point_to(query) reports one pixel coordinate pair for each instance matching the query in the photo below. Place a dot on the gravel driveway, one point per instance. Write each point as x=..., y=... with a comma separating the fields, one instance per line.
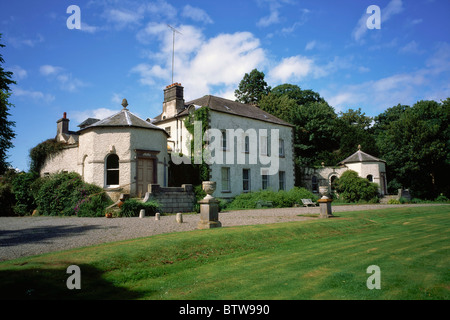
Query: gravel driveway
x=25, y=236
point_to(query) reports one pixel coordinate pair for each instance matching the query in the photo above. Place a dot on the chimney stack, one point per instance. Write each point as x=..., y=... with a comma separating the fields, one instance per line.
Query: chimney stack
x=62, y=125
x=173, y=100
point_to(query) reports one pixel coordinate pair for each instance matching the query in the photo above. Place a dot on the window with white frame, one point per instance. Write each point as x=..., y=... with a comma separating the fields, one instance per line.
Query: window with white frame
x=225, y=179
x=223, y=141
x=112, y=170
x=281, y=148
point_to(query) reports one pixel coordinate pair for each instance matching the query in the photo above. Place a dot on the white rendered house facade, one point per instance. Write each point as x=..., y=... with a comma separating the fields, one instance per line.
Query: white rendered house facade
x=255, y=148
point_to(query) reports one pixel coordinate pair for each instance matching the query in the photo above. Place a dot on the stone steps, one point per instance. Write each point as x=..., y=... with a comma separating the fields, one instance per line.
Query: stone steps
x=386, y=198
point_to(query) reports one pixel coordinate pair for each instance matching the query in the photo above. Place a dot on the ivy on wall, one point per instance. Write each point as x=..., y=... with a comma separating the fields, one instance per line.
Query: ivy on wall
x=42, y=151
x=202, y=115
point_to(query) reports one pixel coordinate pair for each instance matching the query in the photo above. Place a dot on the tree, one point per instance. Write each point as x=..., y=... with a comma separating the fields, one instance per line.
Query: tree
x=296, y=93
x=280, y=106
x=252, y=87
x=314, y=121
x=315, y=134
x=415, y=142
x=6, y=132
x=355, y=129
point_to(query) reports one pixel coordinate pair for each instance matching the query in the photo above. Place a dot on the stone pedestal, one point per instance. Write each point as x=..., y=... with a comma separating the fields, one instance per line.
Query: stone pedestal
x=209, y=214
x=325, y=208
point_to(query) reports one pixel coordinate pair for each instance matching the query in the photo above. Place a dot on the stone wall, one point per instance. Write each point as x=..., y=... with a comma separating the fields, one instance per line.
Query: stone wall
x=172, y=199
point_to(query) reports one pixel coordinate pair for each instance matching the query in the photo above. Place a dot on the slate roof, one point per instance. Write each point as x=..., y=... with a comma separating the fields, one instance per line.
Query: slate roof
x=123, y=118
x=231, y=107
x=88, y=122
x=360, y=156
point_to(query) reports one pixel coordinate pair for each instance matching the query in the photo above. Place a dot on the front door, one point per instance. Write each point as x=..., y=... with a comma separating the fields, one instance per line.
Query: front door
x=145, y=175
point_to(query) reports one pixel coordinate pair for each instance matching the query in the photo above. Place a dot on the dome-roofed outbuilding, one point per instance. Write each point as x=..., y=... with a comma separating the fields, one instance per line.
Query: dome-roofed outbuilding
x=360, y=156
x=123, y=118
x=121, y=153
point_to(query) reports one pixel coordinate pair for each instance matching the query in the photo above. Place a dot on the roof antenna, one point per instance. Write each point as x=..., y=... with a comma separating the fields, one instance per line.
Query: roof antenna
x=173, y=45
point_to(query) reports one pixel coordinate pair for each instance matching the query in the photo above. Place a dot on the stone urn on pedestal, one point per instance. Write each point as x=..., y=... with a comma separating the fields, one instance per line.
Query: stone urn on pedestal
x=209, y=207
x=325, y=203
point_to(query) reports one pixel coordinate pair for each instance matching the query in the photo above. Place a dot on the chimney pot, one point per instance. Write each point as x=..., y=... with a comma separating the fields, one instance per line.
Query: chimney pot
x=64, y=115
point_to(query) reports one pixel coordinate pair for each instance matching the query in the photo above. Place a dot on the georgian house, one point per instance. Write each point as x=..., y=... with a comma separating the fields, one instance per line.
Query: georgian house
x=263, y=142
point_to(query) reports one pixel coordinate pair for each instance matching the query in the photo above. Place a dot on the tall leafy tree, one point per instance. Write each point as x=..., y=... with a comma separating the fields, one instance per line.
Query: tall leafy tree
x=6, y=131
x=315, y=126
x=355, y=129
x=294, y=92
x=314, y=121
x=416, y=147
x=252, y=87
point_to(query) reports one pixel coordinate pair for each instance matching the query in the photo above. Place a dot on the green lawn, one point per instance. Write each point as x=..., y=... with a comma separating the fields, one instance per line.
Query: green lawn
x=316, y=259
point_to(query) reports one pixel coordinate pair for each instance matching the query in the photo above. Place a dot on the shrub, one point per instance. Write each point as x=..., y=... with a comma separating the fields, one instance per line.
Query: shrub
x=393, y=201
x=23, y=187
x=441, y=198
x=7, y=199
x=280, y=199
x=353, y=188
x=66, y=194
x=132, y=207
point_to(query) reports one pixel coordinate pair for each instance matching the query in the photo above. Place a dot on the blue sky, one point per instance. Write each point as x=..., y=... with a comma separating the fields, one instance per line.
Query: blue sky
x=123, y=50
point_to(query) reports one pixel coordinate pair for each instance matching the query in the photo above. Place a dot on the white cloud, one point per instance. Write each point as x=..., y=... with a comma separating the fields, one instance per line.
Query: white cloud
x=47, y=70
x=18, y=72
x=66, y=81
x=311, y=45
x=88, y=28
x=274, y=16
x=34, y=95
x=296, y=67
x=363, y=69
x=393, y=7
x=122, y=17
x=196, y=14
x=100, y=113
x=411, y=47
x=148, y=73
x=429, y=82
x=211, y=64
x=202, y=64
x=131, y=14
x=30, y=42
x=381, y=94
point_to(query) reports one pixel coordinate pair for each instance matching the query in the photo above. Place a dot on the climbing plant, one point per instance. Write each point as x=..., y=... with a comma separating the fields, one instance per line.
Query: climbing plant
x=202, y=115
x=42, y=151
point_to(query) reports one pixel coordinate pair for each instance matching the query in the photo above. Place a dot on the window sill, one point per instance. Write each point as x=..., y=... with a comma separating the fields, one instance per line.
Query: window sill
x=112, y=188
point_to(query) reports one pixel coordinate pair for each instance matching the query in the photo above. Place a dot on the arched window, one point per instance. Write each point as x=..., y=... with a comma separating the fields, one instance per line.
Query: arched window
x=112, y=170
x=333, y=182
x=315, y=184
x=370, y=178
